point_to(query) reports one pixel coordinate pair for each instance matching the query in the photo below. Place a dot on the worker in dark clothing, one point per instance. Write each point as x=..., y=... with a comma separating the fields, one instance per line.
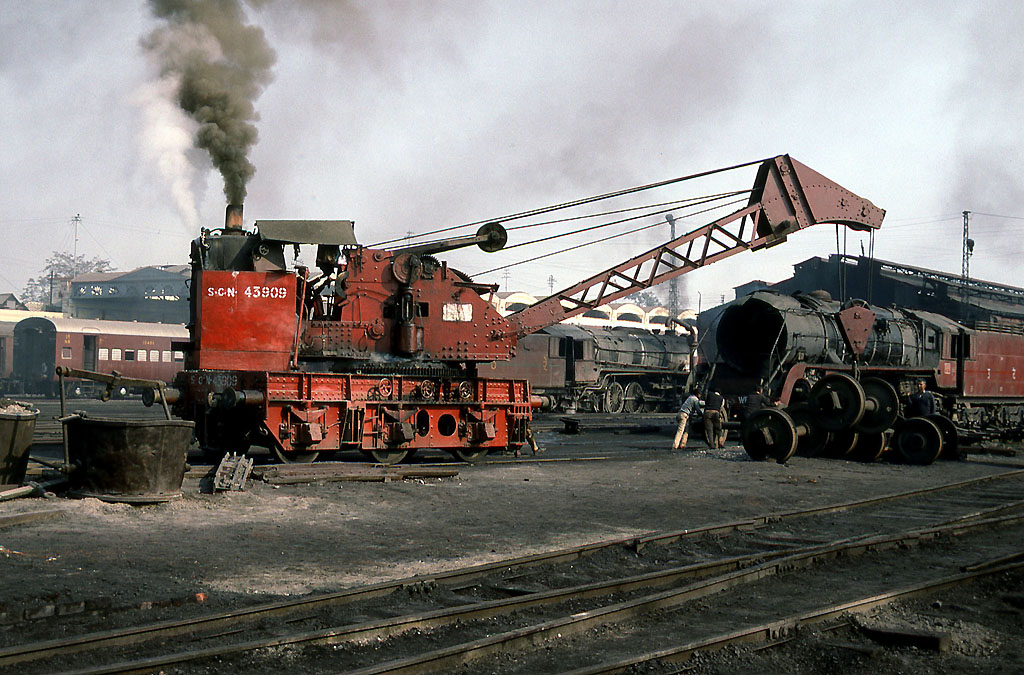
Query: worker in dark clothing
x=922, y=402
x=714, y=415
x=754, y=402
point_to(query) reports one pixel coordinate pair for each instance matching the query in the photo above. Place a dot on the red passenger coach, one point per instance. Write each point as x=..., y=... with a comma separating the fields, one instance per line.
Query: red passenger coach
x=133, y=349
x=994, y=366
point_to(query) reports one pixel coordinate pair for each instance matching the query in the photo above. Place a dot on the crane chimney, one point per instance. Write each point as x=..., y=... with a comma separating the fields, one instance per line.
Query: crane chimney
x=233, y=217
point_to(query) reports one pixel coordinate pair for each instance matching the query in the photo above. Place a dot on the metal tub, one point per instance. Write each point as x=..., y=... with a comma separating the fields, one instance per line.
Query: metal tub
x=135, y=461
x=16, y=429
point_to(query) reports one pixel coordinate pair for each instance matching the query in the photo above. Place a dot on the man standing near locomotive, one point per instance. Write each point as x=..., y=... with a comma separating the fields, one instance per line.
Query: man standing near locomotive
x=754, y=402
x=690, y=407
x=922, y=402
x=714, y=415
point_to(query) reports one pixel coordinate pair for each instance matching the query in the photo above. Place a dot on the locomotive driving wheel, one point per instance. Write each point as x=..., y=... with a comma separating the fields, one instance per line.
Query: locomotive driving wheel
x=881, y=408
x=950, y=439
x=770, y=432
x=386, y=455
x=814, y=439
x=614, y=398
x=837, y=402
x=471, y=455
x=870, y=446
x=917, y=440
x=841, y=443
x=294, y=456
x=633, y=400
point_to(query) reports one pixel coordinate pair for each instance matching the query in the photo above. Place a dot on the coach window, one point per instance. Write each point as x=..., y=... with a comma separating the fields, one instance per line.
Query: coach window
x=129, y=355
x=166, y=358
x=154, y=355
x=141, y=355
x=179, y=356
x=65, y=353
x=115, y=354
x=103, y=354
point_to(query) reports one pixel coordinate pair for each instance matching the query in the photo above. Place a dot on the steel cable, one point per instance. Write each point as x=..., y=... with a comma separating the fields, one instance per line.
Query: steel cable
x=578, y=202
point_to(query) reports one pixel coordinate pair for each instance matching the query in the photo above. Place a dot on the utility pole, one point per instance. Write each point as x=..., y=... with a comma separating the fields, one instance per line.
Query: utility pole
x=673, y=284
x=76, y=221
x=551, y=284
x=506, y=275
x=965, y=269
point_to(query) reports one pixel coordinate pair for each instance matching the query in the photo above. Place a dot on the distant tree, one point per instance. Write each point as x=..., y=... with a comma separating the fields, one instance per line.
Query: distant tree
x=59, y=270
x=645, y=298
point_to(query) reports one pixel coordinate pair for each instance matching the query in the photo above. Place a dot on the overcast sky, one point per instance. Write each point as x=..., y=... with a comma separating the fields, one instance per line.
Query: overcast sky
x=411, y=116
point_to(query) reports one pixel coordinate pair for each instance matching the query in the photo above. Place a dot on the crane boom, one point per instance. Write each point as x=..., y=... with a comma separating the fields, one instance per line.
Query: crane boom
x=787, y=196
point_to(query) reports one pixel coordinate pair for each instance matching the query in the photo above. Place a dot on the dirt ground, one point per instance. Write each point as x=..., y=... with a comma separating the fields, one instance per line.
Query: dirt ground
x=267, y=542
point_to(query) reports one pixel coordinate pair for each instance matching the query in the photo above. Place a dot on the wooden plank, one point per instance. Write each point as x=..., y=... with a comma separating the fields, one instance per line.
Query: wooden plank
x=341, y=473
x=29, y=517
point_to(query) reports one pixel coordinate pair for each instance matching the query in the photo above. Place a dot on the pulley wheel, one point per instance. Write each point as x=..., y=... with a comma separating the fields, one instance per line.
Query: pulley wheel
x=614, y=398
x=886, y=406
x=841, y=444
x=870, y=447
x=950, y=438
x=769, y=433
x=496, y=237
x=814, y=439
x=917, y=440
x=837, y=402
x=471, y=455
x=407, y=268
x=634, y=398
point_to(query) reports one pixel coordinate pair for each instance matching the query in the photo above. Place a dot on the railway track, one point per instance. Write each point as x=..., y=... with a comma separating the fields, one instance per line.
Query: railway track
x=669, y=593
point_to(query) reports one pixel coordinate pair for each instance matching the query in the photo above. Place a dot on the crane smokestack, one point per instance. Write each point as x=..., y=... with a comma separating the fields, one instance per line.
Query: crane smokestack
x=233, y=217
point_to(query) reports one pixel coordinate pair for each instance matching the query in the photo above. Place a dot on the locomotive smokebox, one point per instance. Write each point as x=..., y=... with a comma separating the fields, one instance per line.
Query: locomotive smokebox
x=233, y=217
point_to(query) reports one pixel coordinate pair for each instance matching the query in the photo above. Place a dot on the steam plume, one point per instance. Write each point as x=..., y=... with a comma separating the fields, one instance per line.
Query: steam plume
x=218, y=67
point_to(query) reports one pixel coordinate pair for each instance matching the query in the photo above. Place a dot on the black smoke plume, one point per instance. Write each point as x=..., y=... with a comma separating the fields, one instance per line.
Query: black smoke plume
x=220, y=66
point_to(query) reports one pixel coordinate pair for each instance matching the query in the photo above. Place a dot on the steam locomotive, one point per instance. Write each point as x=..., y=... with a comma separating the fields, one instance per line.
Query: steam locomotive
x=614, y=370
x=800, y=346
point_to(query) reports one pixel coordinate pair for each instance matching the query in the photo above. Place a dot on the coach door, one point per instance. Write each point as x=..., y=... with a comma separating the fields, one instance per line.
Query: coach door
x=89, y=352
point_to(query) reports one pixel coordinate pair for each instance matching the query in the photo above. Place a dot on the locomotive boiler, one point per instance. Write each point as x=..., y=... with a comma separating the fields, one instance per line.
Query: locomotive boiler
x=841, y=371
x=614, y=370
x=387, y=351
x=769, y=338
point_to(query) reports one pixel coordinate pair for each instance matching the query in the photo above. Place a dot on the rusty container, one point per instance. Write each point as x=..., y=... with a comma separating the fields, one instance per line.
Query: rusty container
x=17, y=424
x=134, y=461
